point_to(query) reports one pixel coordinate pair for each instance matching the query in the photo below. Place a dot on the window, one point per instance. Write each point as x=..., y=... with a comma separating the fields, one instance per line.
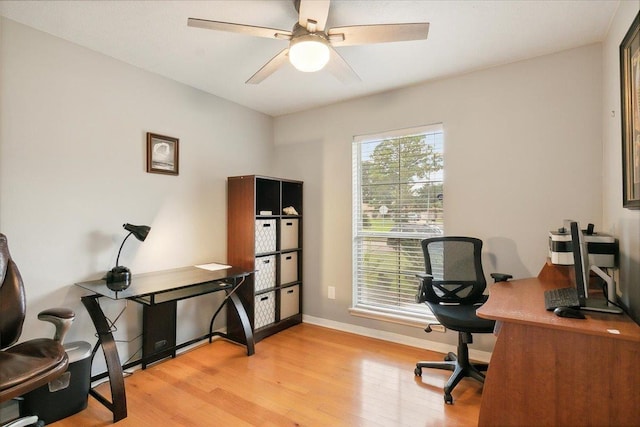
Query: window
x=397, y=202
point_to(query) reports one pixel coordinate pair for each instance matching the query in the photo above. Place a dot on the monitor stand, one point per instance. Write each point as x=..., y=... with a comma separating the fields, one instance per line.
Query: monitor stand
x=602, y=305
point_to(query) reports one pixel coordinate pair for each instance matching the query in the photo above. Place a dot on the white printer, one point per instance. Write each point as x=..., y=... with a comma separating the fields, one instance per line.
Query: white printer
x=602, y=248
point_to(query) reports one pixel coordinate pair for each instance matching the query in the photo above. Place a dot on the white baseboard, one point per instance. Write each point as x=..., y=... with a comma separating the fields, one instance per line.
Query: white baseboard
x=481, y=356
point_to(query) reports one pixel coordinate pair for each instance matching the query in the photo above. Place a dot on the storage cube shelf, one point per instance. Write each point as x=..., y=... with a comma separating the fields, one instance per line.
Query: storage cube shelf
x=263, y=238
x=265, y=275
x=288, y=267
x=289, y=301
x=289, y=234
x=265, y=309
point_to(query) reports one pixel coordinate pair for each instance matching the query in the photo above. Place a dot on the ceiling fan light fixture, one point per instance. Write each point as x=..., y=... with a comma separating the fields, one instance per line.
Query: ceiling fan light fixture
x=309, y=52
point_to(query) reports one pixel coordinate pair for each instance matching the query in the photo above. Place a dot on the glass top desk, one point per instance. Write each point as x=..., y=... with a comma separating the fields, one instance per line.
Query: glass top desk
x=159, y=293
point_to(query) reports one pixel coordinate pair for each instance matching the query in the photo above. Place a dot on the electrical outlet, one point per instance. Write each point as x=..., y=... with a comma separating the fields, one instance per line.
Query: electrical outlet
x=332, y=292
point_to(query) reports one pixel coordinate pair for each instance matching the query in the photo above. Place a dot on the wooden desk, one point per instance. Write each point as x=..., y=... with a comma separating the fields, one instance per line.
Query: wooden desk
x=547, y=370
x=159, y=292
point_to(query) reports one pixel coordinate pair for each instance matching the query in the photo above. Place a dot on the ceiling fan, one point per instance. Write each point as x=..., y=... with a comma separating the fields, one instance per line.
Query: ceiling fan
x=311, y=46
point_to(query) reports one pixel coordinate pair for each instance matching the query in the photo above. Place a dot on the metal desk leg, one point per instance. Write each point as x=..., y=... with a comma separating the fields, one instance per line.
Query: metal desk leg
x=246, y=325
x=244, y=319
x=118, y=404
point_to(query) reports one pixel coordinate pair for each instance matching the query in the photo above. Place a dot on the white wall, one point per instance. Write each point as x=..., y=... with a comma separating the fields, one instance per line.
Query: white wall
x=622, y=223
x=523, y=152
x=72, y=171
x=72, y=153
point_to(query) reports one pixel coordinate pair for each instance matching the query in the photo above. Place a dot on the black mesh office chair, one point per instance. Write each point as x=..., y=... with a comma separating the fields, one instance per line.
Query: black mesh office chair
x=30, y=364
x=453, y=287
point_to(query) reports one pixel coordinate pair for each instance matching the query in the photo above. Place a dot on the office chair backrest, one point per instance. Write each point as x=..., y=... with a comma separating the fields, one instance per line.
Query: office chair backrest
x=13, y=304
x=456, y=266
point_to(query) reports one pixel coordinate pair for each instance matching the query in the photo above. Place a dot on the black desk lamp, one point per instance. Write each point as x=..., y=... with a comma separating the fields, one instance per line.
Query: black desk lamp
x=118, y=278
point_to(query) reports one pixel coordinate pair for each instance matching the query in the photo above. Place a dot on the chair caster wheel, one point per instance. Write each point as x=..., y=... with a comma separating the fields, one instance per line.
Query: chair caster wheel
x=418, y=372
x=448, y=399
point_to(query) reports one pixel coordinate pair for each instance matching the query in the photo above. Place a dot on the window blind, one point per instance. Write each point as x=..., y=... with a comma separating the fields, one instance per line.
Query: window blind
x=397, y=202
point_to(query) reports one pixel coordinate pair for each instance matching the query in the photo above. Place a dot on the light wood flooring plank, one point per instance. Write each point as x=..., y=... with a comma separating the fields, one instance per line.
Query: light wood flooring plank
x=304, y=376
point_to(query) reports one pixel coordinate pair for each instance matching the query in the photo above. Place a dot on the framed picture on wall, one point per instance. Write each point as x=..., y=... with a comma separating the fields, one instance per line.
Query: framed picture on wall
x=162, y=154
x=630, y=99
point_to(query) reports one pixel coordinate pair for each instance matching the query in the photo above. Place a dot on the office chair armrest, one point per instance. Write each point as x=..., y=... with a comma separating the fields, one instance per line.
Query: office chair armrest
x=501, y=277
x=424, y=287
x=62, y=318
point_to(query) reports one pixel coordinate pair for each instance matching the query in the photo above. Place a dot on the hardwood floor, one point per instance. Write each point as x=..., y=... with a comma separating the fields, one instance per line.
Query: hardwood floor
x=304, y=376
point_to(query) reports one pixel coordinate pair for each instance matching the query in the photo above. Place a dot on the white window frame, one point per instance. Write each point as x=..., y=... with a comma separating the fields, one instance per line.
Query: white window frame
x=403, y=311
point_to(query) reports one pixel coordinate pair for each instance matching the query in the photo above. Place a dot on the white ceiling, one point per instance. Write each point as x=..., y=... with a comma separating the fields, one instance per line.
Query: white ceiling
x=463, y=36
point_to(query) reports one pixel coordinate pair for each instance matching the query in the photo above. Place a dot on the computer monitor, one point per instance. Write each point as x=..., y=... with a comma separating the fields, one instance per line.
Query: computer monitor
x=582, y=270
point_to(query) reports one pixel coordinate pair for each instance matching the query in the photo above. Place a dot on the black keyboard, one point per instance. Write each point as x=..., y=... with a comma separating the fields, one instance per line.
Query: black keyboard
x=561, y=297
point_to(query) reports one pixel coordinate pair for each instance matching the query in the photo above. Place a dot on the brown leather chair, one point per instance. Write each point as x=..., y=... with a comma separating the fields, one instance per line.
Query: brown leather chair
x=29, y=364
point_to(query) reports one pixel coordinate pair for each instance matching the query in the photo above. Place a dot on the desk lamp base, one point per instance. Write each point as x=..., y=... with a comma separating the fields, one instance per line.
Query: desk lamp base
x=118, y=278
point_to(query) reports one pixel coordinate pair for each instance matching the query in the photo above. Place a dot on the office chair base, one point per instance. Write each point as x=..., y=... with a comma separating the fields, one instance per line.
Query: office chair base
x=461, y=369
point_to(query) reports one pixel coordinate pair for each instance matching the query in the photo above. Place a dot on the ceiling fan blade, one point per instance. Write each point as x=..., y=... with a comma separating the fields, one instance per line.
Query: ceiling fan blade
x=340, y=68
x=239, y=28
x=378, y=33
x=270, y=67
x=314, y=10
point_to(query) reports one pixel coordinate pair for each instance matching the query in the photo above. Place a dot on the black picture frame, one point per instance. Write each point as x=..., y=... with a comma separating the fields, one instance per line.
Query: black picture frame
x=163, y=154
x=630, y=100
